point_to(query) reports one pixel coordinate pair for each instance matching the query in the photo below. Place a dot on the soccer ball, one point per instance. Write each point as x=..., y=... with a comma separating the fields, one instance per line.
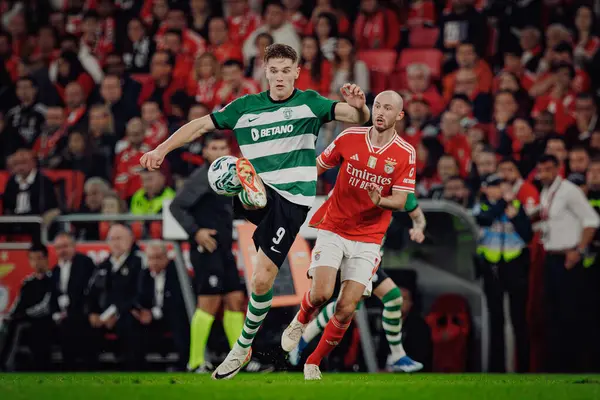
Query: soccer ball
x=223, y=178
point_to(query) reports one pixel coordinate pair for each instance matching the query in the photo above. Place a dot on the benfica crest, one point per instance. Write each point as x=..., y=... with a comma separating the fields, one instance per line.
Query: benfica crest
x=389, y=166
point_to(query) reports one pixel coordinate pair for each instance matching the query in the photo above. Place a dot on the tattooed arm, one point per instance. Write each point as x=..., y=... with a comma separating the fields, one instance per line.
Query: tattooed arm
x=419, y=223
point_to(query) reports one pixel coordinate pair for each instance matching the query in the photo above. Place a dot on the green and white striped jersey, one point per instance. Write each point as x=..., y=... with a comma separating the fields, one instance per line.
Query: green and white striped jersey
x=278, y=137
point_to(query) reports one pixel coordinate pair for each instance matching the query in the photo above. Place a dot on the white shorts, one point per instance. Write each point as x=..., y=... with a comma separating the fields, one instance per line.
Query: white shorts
x=357, y=261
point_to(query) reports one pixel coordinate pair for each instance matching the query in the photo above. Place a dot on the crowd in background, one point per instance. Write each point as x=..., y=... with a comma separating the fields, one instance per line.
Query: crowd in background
x=509, y=100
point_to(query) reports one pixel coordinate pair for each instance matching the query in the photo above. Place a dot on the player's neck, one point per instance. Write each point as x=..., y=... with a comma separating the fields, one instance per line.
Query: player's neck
x=281, y=97
x=379, y=139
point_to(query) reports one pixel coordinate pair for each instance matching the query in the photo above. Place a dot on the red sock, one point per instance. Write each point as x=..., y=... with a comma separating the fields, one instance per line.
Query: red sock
x=332, y=336
x=306, y=309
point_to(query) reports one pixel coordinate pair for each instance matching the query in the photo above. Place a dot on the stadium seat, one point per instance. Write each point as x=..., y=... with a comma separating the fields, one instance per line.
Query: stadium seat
x=422, y=37
x=450, y=323
x=138, y=229
x=397, y=80
x=156, y=230
x=379, y=60
x=430, y=57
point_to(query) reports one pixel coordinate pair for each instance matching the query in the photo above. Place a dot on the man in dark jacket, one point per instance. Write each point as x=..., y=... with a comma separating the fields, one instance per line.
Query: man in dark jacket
x=70, y=278
x=159, y=306
x=208, y=220
x=29, y=321
x=111, y=295
x=503, y=257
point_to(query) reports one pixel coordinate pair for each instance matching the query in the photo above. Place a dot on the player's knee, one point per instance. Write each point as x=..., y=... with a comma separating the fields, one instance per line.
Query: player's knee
x=344, y=310
x=319, y=296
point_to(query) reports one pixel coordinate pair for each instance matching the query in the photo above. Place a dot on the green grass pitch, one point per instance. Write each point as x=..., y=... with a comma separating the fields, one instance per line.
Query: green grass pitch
x=291, y=386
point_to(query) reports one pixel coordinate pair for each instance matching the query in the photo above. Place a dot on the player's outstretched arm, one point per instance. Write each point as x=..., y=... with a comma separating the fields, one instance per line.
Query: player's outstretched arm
x=355, y=109
x=187, y=133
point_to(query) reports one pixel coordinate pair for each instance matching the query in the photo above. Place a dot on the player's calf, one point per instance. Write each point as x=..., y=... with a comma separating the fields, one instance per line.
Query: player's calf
x=253, y=194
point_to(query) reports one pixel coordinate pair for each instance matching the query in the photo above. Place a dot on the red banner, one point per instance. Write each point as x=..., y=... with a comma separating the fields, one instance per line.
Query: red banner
x=14, y=268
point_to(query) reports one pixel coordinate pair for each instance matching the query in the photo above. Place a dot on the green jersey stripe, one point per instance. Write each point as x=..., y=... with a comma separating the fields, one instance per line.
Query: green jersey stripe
x=296, y=187
x=298, y=158
x=279, y=146
x=283, y=114
x=303, y=200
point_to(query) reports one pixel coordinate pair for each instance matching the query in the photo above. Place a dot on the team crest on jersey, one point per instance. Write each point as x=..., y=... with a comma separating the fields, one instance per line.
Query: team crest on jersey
x=317, y=255
x=390, y=164
x=287, y=113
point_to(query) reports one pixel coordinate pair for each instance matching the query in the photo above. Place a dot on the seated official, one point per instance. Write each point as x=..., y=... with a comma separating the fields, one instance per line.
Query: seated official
x=70, y=279
x=159, y=306
x=29, y=322
x=111, y=295
x=149, y=199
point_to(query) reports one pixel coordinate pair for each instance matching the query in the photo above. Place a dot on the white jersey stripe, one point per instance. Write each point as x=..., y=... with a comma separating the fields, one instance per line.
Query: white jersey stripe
x=294, y=174
x=278, y=146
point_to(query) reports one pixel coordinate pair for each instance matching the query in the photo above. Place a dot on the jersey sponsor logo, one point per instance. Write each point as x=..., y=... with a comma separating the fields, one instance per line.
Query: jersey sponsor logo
x=410, y=181
x=332, y=342
x=266, y=132
x=361, y=178
x=390, y=164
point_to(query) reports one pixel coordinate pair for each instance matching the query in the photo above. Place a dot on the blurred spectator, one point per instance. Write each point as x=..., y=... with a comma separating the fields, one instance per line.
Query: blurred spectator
x=219, y=42
x=462, y=106
x=255, y=68
x=193, y=44
x=585, y=39
x=94, y=191
x=203, y=79
x=173, y=43
x=113, y=204
x=326, y=31
x=418, y=113
x=201, y=12
x=525, y=192
x=28, y=192
x=467, y=59
x=24, y=122
x=419, y=86
x=97, y=34
x=155, y=124
x=454, y=141
x=138, y=48
x=530, y=42
x=447, y=167
x=569, y=226
x=111, y=296
x=68, y=69
x=275, y=24
x=504, y=265
x=159, y=305
x=162, y=84
x=501, y=137
x=31, y=312
x=457, y=191
x=579, y=160
x=509, y=81
x=11, y=60
x=421, y=13
x=242, y=22
x=578, y=180
x=79, y=156
x=315, y=70
x=466, y=84
x=560, y=101
x=463, y=24
x=75, y=102
x=586, y=120
x=127, y=162
x=70, y=278
x=376, y=27
x=149, y=199
x=333, y=7
x=485, y=164
x=560, y=54
x=347, y=68
x=294, y=15
x=233, y=84
x=131, y=89
x=111, y=94
x=101, y=137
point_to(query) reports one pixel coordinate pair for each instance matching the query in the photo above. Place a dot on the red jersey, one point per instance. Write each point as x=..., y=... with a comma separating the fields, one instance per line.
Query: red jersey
x=421, y=13
x=249, y=86
x=459, y=148
x=527, y=194
x=241, y=27
x=127, y=169
x=349, y=212
x=203, y=91
x=193, y=44
x=562, y=109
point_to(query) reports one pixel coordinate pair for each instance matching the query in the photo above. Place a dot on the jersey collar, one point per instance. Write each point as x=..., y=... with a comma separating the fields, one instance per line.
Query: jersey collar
x=281, y=101
x=382, y=148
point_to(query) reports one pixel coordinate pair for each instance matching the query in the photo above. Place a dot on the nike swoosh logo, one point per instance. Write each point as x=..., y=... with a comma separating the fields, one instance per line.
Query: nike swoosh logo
x=253, y=119
x=218, y=376
x=275, y=250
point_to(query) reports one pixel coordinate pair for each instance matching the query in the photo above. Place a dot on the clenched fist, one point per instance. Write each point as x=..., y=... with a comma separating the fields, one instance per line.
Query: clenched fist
x=152, y=160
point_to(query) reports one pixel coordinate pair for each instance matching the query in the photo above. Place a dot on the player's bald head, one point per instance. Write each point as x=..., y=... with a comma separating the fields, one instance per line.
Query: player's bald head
x=390, y=97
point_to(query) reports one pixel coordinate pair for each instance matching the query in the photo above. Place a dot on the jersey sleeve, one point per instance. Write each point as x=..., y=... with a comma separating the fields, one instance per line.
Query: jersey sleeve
x=405, y=180
x=411, y=203
x=227, y=117
x=322, y=107
x=331, y=157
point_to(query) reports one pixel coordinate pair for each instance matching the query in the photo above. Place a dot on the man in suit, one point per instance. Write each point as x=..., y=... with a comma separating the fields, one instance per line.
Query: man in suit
x=159, y=306
x=29, y=320
x=111, y=295
x=70, y=278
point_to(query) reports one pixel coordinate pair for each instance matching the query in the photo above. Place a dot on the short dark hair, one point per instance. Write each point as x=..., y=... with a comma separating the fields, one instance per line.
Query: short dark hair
x=176, y=32
x=563, y=65
x=509, y=160
x=279, y=50
x=38, y=247
x=545, y=158
x=462, y=97
x=233, y=63
x=268, y=3
x=264, y=35
x=212, y=136
x=28, y=79
x=563, y=47
x=91, y=14
x=580, y=147
x=557, y=137
x=584, y=96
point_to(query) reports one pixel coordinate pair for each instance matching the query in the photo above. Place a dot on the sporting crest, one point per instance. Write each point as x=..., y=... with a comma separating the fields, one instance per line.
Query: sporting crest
x=389, y=166
x=287, y=113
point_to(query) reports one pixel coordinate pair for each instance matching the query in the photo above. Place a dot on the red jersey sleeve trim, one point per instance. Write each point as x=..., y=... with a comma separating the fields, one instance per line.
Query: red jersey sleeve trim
x=322, y=164
x=403, y=189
